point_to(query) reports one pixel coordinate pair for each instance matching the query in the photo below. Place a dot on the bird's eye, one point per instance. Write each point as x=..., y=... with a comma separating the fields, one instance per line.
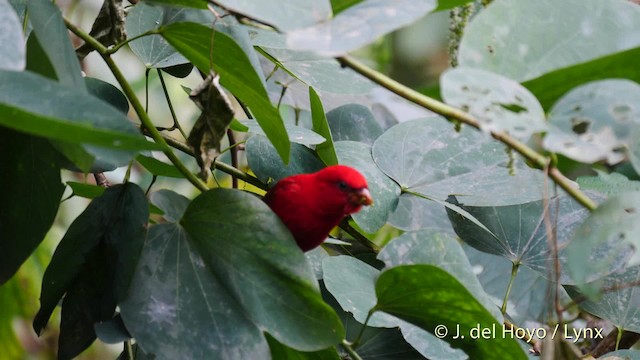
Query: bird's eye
x=343, y=185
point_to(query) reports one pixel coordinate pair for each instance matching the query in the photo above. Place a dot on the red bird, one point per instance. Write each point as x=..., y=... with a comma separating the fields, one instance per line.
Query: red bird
x=311, y=205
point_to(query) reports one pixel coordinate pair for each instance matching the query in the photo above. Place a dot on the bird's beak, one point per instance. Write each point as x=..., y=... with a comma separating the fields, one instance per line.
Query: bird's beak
x=362, y=197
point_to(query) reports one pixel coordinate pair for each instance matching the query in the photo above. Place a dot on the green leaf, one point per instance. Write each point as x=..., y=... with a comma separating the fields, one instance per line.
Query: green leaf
x=112, y=331
x=352, y=284
x=592, y=121
x=450, y=4
x=439, y=249
x=190, y=311
x=353, y=122
x=12, y=44
x=415, y=213
x=428, y=296
x=279, y=351
x=520, y=231
x=427, y=157
x=528, y=299
x=619, y=304
x=265, y=162
x=107, y=92
x=86, y=190
x=324, y=74
x=358, y=26
x=606, y=239
x=111, y=231
x=153, y=50
x=548, y=88
x=53, y=35
x=260, y=265
x=297, y=134
x=505, y=37
x=236, y=75
x=608, y=184
x=172, y=204
x=384, y=191
x=159, y=168
x=499, y=103
x=31, y=192
x=285, y=15
x=326, y=151
x=39, y=106
x=341, y=5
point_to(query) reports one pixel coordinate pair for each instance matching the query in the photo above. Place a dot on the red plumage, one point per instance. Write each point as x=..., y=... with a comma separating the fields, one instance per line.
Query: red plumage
x=310, y=205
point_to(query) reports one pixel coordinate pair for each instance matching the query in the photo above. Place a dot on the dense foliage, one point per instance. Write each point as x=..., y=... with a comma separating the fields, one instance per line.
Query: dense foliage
x=508, y=207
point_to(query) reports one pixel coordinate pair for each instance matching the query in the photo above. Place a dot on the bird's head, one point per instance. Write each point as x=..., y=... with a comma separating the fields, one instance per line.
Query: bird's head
x=346, y=186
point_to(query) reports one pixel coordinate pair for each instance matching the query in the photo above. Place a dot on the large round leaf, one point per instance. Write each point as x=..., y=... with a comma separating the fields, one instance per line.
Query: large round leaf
x=519, y=39
x=428, y=157
x=520, y=231
x=178, y=309
x=254, y=257
x=384, y=191
x=499, y=103
x=593, y=121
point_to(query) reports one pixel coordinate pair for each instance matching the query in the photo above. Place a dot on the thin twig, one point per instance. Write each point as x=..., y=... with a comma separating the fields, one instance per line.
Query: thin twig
x=234, y=156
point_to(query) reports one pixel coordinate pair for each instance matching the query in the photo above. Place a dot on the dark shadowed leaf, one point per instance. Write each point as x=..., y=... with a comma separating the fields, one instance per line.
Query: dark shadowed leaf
x=257, y=261
x=28, y=203
x=268, y=166
x=107, y=92
x=172, y=204
x=353, y=122
x=428, y=296
x=520, y=231
x=112, y=331
x=178, y=309
x=106, y=238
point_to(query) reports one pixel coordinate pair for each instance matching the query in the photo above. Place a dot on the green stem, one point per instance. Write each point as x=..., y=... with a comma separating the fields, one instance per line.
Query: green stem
x=117, y=47
x=176, y=124
x=514, y=272
x=356, y=341
x=218, y=164
x=450, y=112
x=137, y=106
x=619, y=337
x=349, y=348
